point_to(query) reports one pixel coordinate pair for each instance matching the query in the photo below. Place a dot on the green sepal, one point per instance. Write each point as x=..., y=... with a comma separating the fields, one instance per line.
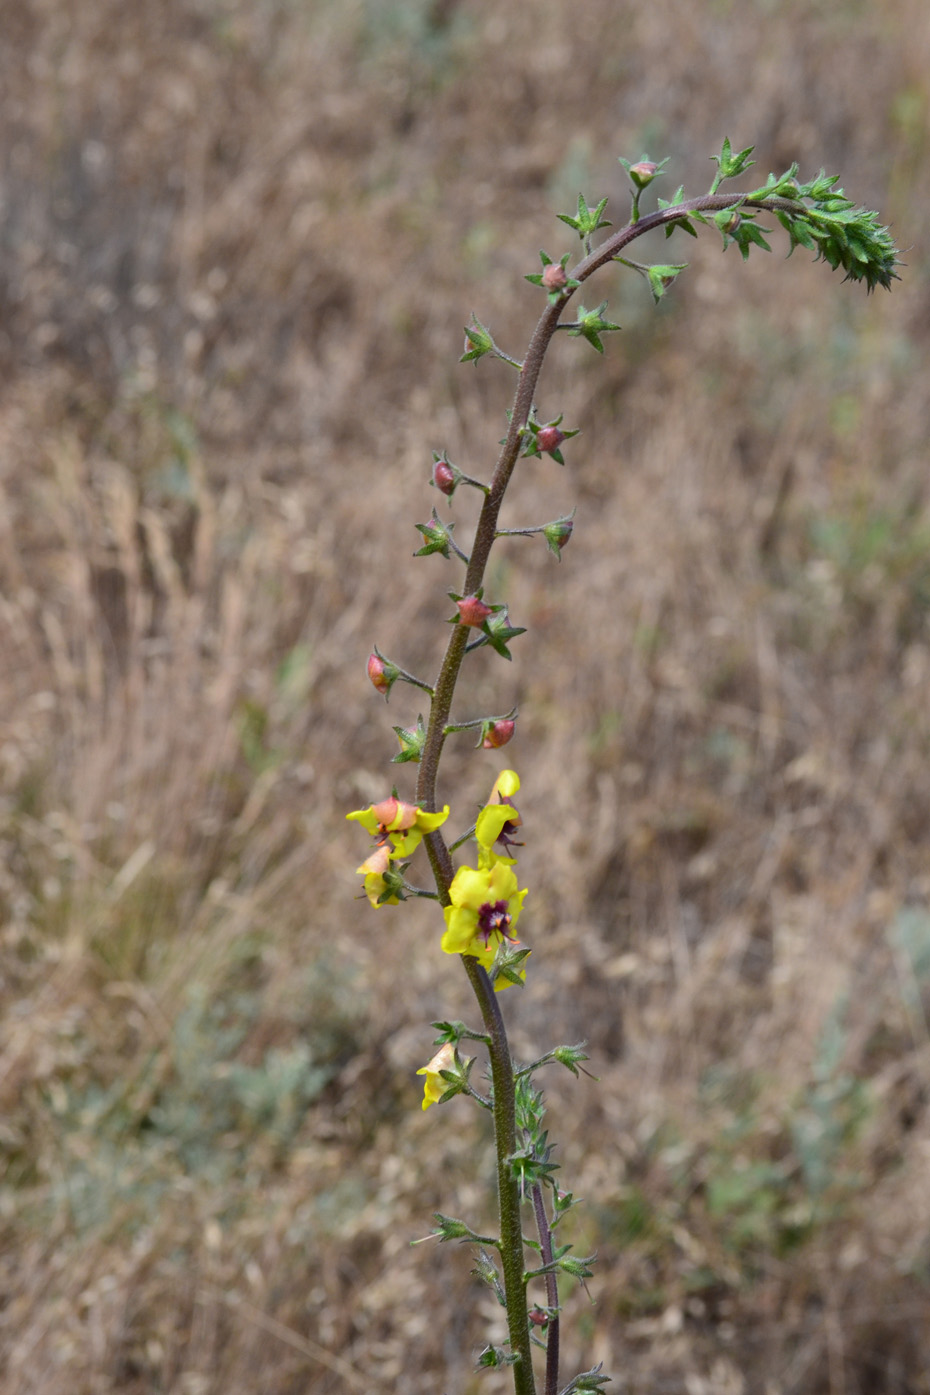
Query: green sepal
x=528, y=1170
x=744, y=234
x=454, y=1032
x=662, y=275
x=571, y=1056
x=394, y=884
x=575, y=1266
x=730, y=165
x=495, y=1357
x=507, y=964
x=486, y=1270
x=479, y=337
x=684, y=222
x=456, y=1077
x=554, y=296
x=639, y=181
x=531, y=430
x=588, y=1382
x=558, y=532
x=450, y=1228
x=591, y=325
x=411, y=742
x=437, y=535
x=589, y=219
x=497, y=631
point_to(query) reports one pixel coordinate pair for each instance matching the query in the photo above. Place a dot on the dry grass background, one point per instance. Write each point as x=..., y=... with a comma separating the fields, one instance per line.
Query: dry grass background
x=240, y=239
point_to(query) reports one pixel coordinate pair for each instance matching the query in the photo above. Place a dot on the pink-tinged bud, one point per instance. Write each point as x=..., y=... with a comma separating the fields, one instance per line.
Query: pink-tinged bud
x=386, y=811
x=549, y=438
x=381, y=673
x=554, y=277
x=498, y=734
x=538, y=1317
x=643, y=172
x=395, y=814
x=473, y=611
x=444, y=476
x=378, y=862
x=558, y=533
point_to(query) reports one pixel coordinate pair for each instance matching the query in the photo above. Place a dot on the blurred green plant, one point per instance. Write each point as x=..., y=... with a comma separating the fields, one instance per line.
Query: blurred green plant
x=875, y=557
x=482, y=904
x=195, y=1111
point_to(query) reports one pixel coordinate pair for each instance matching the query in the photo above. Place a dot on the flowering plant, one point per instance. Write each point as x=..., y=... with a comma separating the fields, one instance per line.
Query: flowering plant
x=483, y=904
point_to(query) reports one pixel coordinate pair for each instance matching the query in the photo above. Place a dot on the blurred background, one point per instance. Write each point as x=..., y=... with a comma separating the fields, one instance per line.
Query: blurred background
x=240, y=239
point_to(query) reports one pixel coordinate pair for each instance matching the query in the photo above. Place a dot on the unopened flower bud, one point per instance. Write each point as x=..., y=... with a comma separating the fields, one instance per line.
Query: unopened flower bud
x=473, y=611
x=411, y=748
x=445, y=476
x=498, y=734
x=538, y=1316
x=395, y=813
x=554, y=276
x=558, y=533
x=643, y=173
x=382, y=673
x=549, y=438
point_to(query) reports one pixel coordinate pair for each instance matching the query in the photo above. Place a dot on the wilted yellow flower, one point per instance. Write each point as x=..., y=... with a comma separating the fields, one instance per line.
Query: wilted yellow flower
x=435, y=1087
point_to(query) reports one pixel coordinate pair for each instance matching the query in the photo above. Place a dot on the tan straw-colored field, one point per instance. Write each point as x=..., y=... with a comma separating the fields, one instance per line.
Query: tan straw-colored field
x=239, y=241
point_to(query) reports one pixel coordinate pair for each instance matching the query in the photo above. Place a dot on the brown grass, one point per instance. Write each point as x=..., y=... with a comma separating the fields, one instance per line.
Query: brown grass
x=239, y=243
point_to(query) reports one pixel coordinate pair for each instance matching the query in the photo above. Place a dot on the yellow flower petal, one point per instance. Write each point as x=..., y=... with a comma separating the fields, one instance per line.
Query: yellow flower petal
x=505, y=786
x=460, y=930
x=435, y=1087
x=491, y=822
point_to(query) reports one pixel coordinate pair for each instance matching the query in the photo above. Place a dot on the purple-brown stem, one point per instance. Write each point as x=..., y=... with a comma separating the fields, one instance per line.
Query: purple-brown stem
x=552, y=1292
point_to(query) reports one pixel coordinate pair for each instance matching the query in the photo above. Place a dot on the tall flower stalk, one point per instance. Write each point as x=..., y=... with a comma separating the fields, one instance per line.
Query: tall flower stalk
x=483, y=903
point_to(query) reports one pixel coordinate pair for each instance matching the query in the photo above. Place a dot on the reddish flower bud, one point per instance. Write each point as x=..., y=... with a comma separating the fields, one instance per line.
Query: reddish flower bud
x=549, y=438
x=473, y=611
x=445, y=476
x=382, y=673
x=558, y=533
x=538, y=1317
x=385, y=811
x=643, y=172
x=498, y=734
x=554, y=276
x=395, y=814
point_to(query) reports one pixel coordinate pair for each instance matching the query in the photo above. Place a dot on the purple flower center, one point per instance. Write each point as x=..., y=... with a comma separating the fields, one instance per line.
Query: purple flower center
x=493, y=918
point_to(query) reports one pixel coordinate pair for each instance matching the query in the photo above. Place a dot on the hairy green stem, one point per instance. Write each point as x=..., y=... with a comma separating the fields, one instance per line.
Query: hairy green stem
x=508, y=1194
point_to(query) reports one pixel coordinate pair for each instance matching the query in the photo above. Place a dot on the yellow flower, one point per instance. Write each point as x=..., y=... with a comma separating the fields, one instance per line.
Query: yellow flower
x=498, y=820
x=401, y=824
x=486, y=905
x=435, y=1087
x=373, y=869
